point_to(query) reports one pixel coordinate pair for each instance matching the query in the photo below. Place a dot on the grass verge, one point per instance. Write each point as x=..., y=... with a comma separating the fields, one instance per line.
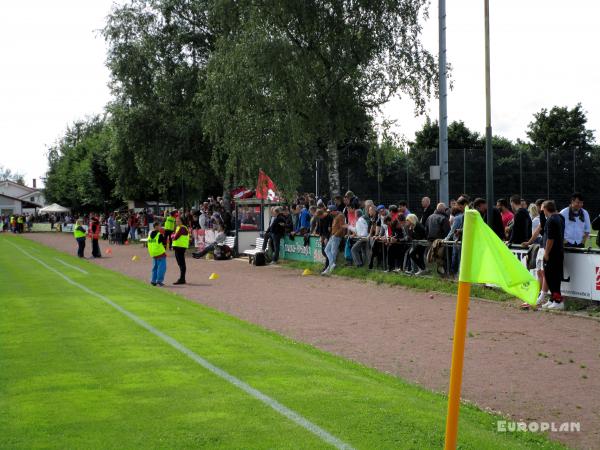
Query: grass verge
x=428, y=283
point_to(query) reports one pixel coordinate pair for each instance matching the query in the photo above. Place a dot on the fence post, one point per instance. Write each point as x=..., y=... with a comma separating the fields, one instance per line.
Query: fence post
x=464, y=170
x=547, y=173
x=521, y=173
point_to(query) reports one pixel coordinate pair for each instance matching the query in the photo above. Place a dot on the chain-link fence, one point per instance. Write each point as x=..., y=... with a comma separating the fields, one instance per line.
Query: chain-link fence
x=545, y=176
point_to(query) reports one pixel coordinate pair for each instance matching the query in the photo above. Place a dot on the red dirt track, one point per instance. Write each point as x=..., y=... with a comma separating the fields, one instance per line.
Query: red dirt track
x=516, y=362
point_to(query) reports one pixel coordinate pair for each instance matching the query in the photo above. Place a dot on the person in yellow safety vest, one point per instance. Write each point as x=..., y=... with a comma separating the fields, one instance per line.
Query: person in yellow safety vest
x=79, y=234
x=169, y=228
x=181, y=241
x=156, y=248
x=20, y=223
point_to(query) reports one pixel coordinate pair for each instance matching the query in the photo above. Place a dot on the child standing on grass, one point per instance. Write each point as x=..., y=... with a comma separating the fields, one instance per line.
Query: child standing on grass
x=156, y=248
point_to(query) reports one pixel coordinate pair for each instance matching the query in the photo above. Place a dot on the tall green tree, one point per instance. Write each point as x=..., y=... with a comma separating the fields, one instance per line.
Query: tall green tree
x=78, y=175
x=561, y=144
x=288, y=79
x=157, y=53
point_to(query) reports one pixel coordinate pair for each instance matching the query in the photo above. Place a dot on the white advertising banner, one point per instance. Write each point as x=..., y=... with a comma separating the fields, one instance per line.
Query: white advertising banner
x=582, y=270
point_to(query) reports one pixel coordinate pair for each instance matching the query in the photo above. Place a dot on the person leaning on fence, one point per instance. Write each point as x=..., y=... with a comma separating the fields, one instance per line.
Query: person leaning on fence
x=521, y=227
x=427, y=209
x=577, y=222
x=455, y=233
x=377, y=227
x=395, y=241
x=438, y=223
x=417, y=251
x=338, y=231
x=157, y=250
x=361, y=232
x=79, y=234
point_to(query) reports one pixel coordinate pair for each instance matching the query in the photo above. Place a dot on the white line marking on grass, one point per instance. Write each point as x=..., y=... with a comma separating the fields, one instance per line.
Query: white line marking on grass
x=67, y=264
x=271, y=402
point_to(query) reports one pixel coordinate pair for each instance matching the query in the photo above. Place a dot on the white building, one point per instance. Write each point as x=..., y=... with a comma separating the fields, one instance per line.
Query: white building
x=12, y=193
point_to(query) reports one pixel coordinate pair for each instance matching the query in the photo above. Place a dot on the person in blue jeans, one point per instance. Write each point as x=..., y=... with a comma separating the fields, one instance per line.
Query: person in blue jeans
x=156, y=249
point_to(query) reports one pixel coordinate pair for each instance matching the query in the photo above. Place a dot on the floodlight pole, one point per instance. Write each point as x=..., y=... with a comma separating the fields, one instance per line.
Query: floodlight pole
x=444, y=190
x=489, y=156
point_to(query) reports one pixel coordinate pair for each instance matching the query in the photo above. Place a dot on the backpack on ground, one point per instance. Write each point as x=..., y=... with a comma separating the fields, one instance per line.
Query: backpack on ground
x=259, y=259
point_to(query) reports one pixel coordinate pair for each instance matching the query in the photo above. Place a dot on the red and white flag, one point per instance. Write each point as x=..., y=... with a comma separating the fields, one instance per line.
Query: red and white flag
x=266, y=189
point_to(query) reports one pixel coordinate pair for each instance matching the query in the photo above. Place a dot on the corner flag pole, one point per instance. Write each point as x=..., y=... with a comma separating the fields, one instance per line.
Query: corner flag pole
x=460, y=331
x=458, y=355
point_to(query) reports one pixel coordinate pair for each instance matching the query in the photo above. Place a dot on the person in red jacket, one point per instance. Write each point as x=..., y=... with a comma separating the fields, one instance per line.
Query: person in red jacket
x=94, y=234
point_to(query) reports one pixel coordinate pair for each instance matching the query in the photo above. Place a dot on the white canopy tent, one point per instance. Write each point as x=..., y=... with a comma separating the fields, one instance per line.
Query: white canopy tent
x=54, y=208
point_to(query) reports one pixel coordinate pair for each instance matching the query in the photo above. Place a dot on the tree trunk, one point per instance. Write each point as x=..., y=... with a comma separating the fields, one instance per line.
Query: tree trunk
x=334, y=169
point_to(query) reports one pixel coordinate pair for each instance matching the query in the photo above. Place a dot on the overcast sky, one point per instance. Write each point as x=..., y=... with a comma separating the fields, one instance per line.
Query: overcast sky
x=543, y=53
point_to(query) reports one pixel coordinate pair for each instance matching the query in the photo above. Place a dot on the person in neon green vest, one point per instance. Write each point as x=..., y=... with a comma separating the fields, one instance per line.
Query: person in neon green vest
x=79, y=235
x=156, y=248
x=181, y=241
x=170, y=228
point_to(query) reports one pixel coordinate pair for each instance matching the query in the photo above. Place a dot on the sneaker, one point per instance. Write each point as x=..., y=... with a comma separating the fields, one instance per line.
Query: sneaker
x=160, y=284
x=540, y=299
x=557, y=306
x=330, y=268
x=548, y=304
x=420, y=272
x=180, y=282
x=153, y=284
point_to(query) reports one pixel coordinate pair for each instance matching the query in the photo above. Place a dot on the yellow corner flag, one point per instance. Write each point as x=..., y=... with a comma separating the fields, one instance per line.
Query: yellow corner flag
x=484, y=259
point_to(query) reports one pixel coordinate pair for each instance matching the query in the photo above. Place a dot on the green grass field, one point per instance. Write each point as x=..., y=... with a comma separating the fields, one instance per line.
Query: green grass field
x=75, y=372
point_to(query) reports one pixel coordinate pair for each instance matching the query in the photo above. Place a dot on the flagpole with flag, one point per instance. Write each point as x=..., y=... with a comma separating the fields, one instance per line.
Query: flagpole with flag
x=265, y=188
x=485, y=259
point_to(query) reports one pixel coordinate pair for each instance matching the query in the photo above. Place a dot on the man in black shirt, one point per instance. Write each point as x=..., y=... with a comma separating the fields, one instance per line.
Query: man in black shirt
x=521, y=229
x=428, y=209
x=553, y=255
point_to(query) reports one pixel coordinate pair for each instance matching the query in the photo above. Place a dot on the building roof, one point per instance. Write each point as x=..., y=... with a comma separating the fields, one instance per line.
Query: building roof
x=24, y=203
x=19, y=185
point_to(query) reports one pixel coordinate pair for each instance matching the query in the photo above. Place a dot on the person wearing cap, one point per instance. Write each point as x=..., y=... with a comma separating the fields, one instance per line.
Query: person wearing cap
x=79, y=235
x=181, y=242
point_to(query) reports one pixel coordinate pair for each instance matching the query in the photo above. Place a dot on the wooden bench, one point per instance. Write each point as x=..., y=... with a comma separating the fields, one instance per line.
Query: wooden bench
x=251, y=252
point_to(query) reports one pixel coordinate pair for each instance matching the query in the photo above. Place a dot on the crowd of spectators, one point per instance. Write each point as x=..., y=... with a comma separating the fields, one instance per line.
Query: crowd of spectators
x=398, y=240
